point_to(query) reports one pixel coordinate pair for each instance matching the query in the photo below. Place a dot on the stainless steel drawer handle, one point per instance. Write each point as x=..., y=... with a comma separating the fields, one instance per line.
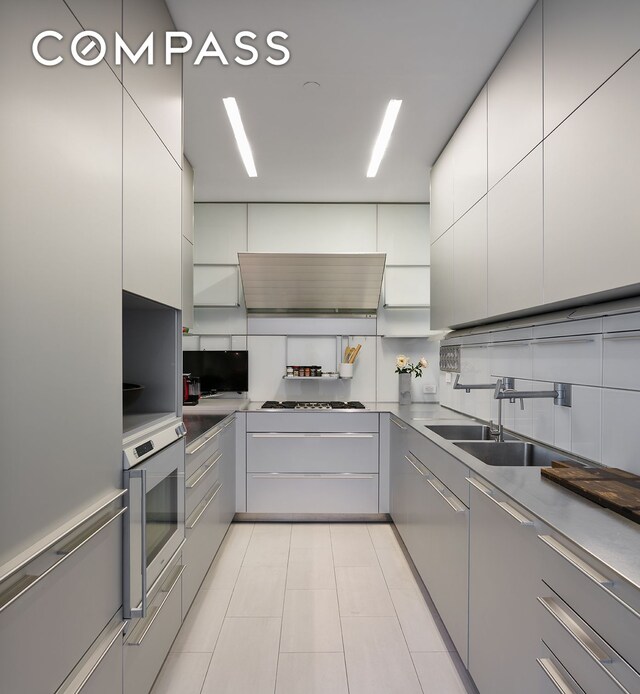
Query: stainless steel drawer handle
x=143, y=628
x=455, y=505
x=512, y=343
x=621, y=336
x=413, y=464
x=205, y=442
x=311, y=435
x=505, y=506
x=577, y=633
x=606, y=584
x=554, y=675
x=192, y=521
x=312, y=476
x=194, y=480
x=15, y=589
x=565, y=341
x=399, y=425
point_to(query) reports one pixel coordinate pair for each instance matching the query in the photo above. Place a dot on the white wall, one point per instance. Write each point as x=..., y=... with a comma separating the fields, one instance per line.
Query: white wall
x=598, y=356
x=402, y=231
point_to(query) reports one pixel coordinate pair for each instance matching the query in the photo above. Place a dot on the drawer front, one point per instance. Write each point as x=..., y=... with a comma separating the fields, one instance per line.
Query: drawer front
x=76, y=601
x=313, y=421
x=205, y=529
x=511, y=359
x=452, y=473
x=592, y=663
x=202, y=480
x=200, y=451
x=319, y=493
x=312, y=452
x=621, y=366
x=148, y=642
x=608, y=605
x=575, y=359
x=553, y=677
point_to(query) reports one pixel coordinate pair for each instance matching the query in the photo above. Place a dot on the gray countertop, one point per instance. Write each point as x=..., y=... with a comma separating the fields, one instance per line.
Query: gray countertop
x=610, y=538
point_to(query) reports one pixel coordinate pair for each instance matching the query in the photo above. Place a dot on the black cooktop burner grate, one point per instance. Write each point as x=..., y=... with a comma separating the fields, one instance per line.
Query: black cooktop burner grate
x=311, y=405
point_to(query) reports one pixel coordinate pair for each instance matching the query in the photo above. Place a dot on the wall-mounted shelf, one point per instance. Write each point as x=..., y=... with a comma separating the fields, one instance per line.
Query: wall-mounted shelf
x=406, y=305
x=324, y=377
x=216, y=306
x=426, y=336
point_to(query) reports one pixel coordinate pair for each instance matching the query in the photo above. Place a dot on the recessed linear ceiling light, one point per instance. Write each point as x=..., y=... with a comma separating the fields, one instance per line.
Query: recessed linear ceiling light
x=241, y=136
x=386, y=129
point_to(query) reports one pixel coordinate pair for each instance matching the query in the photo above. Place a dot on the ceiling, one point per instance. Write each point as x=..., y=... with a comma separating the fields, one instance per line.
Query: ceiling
x=312, y=144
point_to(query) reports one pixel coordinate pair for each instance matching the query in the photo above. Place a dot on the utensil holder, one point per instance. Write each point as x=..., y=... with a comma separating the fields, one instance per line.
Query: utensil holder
x=345, y=370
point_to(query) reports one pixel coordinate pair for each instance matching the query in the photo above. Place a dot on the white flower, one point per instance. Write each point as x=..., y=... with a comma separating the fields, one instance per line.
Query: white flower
x=423, y=362
x=401, y=361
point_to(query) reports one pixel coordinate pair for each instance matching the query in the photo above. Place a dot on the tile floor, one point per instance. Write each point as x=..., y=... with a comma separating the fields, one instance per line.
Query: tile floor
x=310, y=609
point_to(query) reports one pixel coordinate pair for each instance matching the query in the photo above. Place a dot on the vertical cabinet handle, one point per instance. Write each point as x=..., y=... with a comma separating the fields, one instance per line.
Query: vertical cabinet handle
x=130, y=612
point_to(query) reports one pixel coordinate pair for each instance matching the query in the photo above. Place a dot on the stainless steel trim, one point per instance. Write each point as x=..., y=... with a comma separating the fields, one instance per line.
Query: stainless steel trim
x=161, y=577
x=144, y=627
x=393, y=421
x=53, y=543
x=206, y=441
x=414, y=465
x=577, y=633
x=25, y=583
x=135, y=612
x=562, y=341
x=621, y=336
x=505, y=506
x=554, y=675
x=457, y=507
x=191, y=482
x=191, y=524
x=111, y=638
x=313, y=475
x=512, y=343
x=310, y=435
x=86, y=535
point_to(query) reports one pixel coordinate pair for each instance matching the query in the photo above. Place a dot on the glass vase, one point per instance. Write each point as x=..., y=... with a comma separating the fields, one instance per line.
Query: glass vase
x=404, y=397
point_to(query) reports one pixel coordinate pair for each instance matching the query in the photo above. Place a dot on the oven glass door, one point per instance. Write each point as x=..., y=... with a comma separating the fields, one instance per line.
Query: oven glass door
x=155, y=522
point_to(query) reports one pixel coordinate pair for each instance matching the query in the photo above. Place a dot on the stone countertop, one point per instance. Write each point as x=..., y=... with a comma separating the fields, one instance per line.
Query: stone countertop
x=610, y=538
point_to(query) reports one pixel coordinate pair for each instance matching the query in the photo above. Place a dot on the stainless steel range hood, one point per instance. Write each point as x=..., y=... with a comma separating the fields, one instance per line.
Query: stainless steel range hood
x=312, y=282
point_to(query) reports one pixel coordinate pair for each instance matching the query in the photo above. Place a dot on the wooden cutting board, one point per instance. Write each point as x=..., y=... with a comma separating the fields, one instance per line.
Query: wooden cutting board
x=612, y=488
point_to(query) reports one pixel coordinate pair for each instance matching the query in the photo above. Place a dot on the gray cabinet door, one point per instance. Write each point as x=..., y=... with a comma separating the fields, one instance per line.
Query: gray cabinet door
x=187, y=283
x=442, y=281
x=503, y=583
x=587, y=246
x=441, y=195
x=398, y=449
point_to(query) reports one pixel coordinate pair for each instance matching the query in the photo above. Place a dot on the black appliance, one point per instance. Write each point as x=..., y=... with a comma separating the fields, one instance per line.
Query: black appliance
x=218, y=371
x=303, y=405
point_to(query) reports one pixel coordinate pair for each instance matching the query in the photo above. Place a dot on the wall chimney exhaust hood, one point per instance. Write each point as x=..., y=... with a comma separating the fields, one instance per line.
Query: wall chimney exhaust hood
x=327, y=283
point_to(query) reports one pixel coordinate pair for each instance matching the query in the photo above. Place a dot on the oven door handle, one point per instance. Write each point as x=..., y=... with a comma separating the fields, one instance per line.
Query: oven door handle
x=136, y=612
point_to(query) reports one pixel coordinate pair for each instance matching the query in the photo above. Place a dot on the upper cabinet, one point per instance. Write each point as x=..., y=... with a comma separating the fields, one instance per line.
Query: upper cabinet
x=441, y=195
x=514, y=100
x=312, y=228
x=187, y=244
x=585, y=42
x=469, y=145
x=220, y=232
x=591, y=202
x=442, y=281
x=187, y=200
x=403, y=234
x=157, y=88
x=152, y=185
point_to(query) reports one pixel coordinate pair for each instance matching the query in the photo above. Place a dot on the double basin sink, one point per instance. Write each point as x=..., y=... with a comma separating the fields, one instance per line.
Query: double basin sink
x=476, y=440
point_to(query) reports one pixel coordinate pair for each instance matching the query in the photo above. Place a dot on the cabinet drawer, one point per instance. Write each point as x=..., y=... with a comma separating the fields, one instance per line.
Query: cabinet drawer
x=576, y=359
x=204, y=448
x=621, y=366
x=553, y=677
x=312, y=493
x=592, y=663
x=205, y=528
x=607, y=604
x=45, y=632
x=512, y=359
x=312, y=452
x=150, y=639
x=201, y=481
x=313, y=421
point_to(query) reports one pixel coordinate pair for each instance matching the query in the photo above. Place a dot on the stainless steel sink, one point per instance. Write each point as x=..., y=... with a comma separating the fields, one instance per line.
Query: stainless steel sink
x=513, y=453
x=465, y=432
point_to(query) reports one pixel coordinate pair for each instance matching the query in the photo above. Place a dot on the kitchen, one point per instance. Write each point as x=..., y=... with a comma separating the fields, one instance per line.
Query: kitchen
x=496, y=241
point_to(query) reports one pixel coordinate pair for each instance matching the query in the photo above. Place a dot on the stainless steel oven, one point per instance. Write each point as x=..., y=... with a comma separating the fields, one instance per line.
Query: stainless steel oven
x=154, y=522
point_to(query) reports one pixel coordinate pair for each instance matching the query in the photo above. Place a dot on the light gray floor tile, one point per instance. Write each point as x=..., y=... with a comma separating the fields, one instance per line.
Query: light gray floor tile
x=259, y=592
x=378, y=661
x=246, y=657
x=396, y=569
x=269, y=545
x=382, y=535
x=200, y=629
x=316, y=535
x=310, y=568
x=311, y=623
x=417, y=622
x=362, y=592
x=438, y=674
x=352, y=545
x=182, y=672
x=311, y=673
x=226, y=565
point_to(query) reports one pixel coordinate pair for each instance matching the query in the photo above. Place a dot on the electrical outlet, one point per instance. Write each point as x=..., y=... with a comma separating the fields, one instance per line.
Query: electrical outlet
x=448, y=377
x=429, y=388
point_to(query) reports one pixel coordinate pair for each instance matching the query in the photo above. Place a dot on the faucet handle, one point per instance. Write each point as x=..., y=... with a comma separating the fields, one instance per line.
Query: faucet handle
x=497, y=391
x=522, y=403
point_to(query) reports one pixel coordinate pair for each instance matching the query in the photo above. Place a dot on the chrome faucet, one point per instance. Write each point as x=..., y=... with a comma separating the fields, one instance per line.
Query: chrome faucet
x=496, y=432
x=502, y=385
x=504, y=390
x=471, y=386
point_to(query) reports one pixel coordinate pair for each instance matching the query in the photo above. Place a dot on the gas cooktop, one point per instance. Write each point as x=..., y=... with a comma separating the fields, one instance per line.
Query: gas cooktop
x=302, y=405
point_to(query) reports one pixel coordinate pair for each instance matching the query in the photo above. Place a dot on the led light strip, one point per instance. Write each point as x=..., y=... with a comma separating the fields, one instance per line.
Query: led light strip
x=244, y=147
x=382, y=141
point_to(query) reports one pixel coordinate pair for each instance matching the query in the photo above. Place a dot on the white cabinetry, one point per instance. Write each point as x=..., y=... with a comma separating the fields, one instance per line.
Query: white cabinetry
x=469, y=146
x=470, y=265
x=515, y=238
x=441, y=194
x=587, y=246
x=187, y=244
x=514, y=99
x=151, y=213
x=573, y=67
x=442, y=281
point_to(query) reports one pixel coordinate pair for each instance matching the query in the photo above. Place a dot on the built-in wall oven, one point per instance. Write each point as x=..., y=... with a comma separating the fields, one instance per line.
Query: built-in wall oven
x=154, y=521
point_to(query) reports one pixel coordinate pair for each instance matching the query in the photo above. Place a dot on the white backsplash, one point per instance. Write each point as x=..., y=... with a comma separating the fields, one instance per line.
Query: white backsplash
x=599, y=357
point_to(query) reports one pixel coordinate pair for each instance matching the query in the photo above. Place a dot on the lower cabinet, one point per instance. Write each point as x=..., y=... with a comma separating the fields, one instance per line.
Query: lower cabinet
x=504, y=575
x=399, y=447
